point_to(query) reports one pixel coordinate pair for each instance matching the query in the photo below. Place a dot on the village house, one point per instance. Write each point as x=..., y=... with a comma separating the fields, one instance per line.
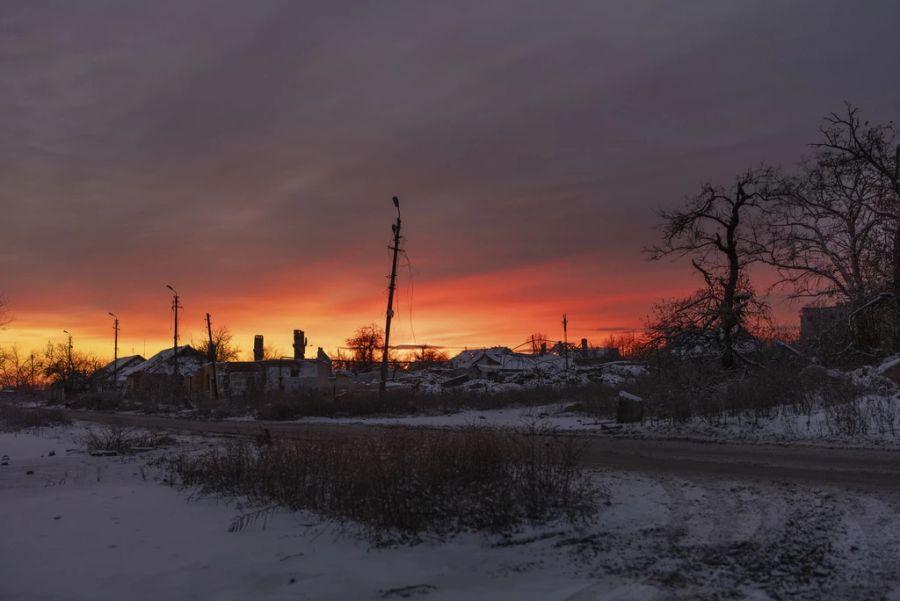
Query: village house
x=116, y=370
x=159, y=371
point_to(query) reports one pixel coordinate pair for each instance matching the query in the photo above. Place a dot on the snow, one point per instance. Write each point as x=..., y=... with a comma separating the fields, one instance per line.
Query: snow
x=107, y=528
x=784, y=426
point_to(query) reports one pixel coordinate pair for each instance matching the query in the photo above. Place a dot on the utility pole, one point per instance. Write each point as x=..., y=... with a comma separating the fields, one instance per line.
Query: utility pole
x=69, y=366
x=212, y=358
x=565, y=323
x=32, y=372
x=175, y=307
x=390, y=304
x=115, y=351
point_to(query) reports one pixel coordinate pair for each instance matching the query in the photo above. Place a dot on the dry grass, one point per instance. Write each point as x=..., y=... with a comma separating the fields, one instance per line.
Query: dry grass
x=401, y=484
x=120, y=440
x=14, y=417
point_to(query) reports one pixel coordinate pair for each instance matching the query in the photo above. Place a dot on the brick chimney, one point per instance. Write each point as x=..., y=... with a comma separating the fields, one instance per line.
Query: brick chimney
x=299, y=345
x=258, y=347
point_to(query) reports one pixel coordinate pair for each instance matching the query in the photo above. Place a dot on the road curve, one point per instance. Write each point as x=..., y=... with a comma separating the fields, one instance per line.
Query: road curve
x=811, y=466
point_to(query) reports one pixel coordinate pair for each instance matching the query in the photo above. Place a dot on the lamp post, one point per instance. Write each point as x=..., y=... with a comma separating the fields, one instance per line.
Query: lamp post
x=115, y=350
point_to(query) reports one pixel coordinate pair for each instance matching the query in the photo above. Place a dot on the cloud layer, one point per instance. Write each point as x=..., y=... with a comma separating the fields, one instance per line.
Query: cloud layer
x=247, y=153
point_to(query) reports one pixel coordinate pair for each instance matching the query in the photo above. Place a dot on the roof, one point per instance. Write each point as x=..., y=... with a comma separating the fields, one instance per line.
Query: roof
x=121, y=363
x=503, y=359
x=189, y=361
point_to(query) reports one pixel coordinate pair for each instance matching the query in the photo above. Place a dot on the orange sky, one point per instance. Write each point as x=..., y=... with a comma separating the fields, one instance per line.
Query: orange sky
x=493, y=308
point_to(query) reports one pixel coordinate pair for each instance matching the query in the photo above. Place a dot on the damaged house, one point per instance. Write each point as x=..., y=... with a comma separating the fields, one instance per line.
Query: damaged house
x=241, y=379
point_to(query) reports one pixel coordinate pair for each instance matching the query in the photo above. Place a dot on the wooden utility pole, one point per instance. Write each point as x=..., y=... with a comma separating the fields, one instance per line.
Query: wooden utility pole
x=565, y=323
x=175, y=307
x=390, y=304
x=69, y=366
x=212, y=358
x=115, y=350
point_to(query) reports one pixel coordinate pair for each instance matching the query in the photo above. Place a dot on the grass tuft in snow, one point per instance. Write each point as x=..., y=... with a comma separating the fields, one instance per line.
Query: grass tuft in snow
x=118, y=440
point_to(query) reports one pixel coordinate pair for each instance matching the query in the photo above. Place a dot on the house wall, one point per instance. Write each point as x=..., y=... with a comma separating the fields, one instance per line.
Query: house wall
x=239, y=379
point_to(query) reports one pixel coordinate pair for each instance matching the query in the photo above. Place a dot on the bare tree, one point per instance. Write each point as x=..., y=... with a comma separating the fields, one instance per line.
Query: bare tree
x=271, y=352
x=14, y=369
x=223, y=342
x=364, y=344
x=5, y=317
x=826, y=234
x=69, y=368
x=847, y=140
x=718, y=230
x=429, y=356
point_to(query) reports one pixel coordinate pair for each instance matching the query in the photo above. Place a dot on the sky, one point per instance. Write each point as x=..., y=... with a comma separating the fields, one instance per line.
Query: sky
x=247, y=153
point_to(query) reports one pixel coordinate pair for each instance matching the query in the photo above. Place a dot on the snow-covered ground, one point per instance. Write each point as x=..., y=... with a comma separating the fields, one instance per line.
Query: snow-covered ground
x=782, y=427
x=81, y=527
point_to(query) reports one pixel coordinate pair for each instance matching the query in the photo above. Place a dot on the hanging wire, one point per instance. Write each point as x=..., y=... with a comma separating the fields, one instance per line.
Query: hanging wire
x=410, y=291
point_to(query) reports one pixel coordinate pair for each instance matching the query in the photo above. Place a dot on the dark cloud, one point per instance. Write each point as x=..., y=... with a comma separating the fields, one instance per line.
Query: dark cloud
x=219, y=143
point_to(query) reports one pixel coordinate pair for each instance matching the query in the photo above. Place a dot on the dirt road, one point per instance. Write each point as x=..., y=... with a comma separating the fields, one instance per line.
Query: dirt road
x=813, y=466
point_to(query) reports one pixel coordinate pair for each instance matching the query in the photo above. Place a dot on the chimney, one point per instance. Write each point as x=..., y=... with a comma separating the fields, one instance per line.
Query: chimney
x=299, y=345
x=543, y=348
x=258, y=347
x=584, y=347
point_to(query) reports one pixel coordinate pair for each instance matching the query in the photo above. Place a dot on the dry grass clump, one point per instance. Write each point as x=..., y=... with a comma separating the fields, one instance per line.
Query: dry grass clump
x=400, y=484
x=14, y=417
x=120, y=440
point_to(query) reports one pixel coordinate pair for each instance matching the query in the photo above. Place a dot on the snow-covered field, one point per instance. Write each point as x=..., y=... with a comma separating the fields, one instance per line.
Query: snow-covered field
x=81, y=527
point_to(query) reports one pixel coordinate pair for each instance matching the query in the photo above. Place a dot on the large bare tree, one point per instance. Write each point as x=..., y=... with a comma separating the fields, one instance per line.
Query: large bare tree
x=223, y=343
x=826, y=233
x=718, y=230
x=5, y=318
x=847, y=140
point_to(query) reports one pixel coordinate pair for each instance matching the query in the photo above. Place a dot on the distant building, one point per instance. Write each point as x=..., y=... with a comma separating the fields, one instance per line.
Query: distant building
x=117, y=369
x=240, y=379
x=161, y=368
x=501, y=360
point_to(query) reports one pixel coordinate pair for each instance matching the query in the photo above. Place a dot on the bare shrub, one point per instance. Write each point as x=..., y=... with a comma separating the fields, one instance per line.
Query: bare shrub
x=122, y=440
x=15, y=417
x=404, y=483
x=683, y=391
x=848, y=411
x=97, y=400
